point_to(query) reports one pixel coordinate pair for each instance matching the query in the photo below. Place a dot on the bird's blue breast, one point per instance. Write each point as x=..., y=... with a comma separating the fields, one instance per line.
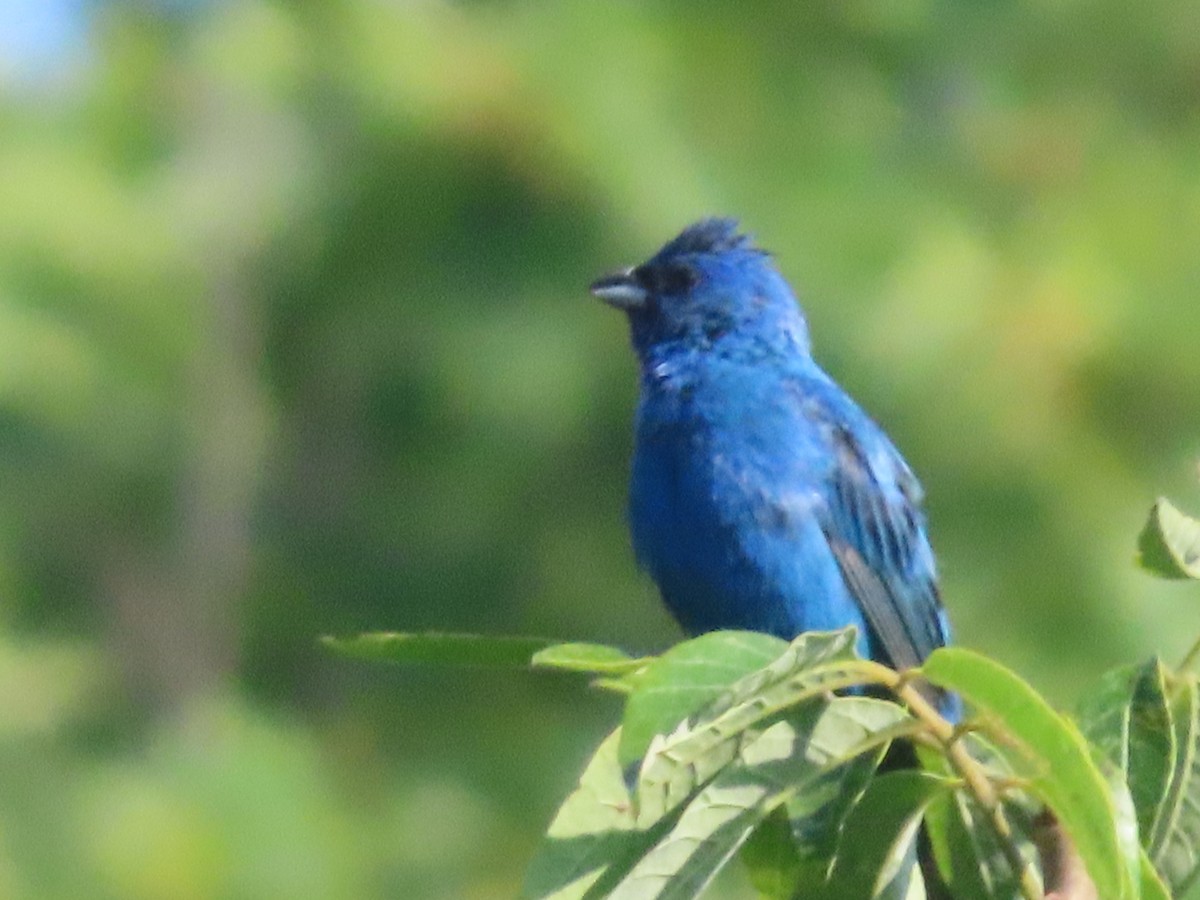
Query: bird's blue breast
x=727, y=489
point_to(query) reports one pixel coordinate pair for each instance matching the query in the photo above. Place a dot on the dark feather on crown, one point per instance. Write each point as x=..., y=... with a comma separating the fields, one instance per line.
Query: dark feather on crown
x=708, y=236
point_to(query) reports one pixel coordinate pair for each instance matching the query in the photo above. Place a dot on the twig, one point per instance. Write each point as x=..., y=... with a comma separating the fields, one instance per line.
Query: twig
x=971, y=772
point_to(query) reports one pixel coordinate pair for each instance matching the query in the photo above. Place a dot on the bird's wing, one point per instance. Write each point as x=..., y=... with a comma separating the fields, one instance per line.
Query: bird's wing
x=875, y=528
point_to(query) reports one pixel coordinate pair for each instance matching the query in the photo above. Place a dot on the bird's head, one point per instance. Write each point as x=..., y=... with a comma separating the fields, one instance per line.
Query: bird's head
x=710, y=288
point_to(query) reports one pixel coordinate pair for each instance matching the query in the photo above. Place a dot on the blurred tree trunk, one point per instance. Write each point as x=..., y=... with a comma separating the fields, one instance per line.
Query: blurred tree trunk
x=178, y=614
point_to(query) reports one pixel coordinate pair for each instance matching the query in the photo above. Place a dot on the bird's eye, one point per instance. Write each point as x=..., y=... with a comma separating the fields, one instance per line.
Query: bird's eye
x=666, y=279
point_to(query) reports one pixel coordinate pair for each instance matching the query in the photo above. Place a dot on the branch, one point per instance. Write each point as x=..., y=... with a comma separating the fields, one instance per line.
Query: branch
x=1066, y=876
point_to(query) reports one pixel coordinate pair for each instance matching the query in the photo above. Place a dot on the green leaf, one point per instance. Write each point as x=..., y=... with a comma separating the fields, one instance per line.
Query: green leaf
x=598, y=659
x=1152, y=885
x=1105, y=712
x=969, y=853
x=877, y=856
x=686, y=678
x=1175, y=837
x=440, y=648
x=620, y=685
x=1169, y=545
x=967, y=849
x=592, y=829
x=964, y=841
x=677, y=763
x=595, y=848
x=771, y=857
x=1152, y=753
x=794, y=758
x=1055, y=757
x=1130, y=722
x=815, y=817
x=1125, y=823
x=714, y=824
x=818, y=815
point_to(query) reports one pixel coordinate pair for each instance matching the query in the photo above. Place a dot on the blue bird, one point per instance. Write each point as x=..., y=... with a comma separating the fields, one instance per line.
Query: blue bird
x=761, y=496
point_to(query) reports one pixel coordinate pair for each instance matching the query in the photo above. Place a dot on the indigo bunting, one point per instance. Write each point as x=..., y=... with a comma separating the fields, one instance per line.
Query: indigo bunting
x=761, y=496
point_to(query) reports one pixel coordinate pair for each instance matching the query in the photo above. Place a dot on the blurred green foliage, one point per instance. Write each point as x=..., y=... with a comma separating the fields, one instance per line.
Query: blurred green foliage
x=294, y=339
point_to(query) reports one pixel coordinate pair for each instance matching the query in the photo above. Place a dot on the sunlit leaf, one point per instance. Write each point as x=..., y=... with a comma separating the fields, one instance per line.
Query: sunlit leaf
x=793, y=758
x=686, y=678
x=812, y=820
x=1169, y=545
x=817, y=816
x=676, y=763
x=594, y=825
x=715, y=823
x=1057, y=761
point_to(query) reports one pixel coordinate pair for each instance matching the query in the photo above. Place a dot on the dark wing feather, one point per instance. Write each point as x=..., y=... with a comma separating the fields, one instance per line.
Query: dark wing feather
x=875, y=529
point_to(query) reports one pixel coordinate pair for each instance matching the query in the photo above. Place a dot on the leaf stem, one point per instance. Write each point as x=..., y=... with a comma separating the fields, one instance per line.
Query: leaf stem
x=1188, y=666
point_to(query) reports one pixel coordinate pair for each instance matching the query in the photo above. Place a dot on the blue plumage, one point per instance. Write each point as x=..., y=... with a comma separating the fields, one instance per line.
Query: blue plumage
x=761, y=496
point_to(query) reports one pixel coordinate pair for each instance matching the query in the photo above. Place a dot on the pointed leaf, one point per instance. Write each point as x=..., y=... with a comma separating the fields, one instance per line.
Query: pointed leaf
x=686, y=678
x=1057, y=761
x=598, y=659
x=1174, y=845
x=1169, y=545
x=439, y=648
x=1105, y=712
x=1152, y=753
x=1130, y=722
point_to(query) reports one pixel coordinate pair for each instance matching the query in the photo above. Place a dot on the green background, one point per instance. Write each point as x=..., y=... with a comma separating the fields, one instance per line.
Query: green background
x=295, y=339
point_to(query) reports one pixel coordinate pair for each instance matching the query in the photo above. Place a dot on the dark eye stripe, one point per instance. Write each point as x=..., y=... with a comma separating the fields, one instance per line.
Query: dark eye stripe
x=665, y=279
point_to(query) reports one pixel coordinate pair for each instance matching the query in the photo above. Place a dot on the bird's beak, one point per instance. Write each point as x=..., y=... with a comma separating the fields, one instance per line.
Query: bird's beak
x=621, y=290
